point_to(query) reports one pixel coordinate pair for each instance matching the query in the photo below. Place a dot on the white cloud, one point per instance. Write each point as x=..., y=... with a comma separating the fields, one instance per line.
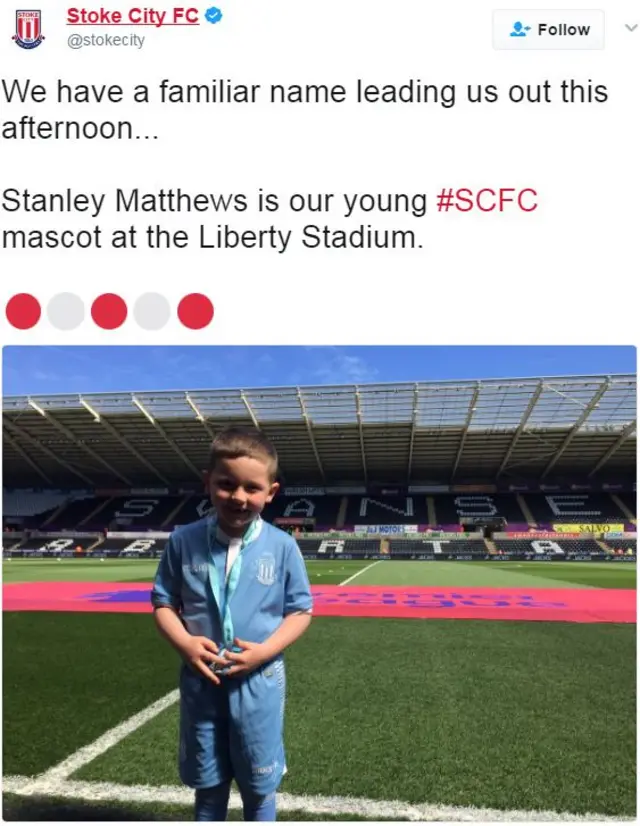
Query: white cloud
x=45, y=375
x=339, y=367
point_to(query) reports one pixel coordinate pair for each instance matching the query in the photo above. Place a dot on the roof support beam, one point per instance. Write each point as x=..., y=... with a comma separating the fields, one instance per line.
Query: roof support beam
x=10, y=440
x=520, y=430
x=465, y=429
x=574, y=430
x=158, y=427
x=361, y=434
x=414, y=420
x=199, y=416
x=14, y=428
x=62, y=446
x=254, y=418
x=68, y=434
x=307, y=422
x=124, y=442
x=628, y=431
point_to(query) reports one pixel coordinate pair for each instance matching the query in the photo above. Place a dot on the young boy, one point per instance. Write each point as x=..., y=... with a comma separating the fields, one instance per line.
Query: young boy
x=231, y=593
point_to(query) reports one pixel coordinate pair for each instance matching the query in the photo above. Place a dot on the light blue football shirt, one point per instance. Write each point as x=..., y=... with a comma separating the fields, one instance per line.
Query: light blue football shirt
x=234, y=730
x=266, y=582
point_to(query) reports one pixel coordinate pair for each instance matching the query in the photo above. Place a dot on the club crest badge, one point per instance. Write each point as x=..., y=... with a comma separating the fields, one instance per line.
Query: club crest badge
x=28, y=29
x=267, y=570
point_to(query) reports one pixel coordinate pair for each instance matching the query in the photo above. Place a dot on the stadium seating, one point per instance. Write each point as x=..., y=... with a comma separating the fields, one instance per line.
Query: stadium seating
x=573, y=507
x=557, y=547
x=148, y=546
x=76, y=512
x=56, y=545
x=31, y=503
x=453, y=510
x=398, y=548
x=11, y=541
x=134, y=513
x=35, y=509
x=470, y=547
x=419, y=547
x=630, y=501
x=123, y=513
x=31, y=509
x=339, y=546
x=194, y=508
x=324, y=509
x=387, y=510
x=624, y=545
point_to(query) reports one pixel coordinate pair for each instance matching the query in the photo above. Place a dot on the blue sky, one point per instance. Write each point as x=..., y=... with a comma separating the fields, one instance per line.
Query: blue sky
x=47, y=370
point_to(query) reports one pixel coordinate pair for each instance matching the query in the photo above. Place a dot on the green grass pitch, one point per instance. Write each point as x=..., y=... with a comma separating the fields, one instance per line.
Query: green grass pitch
x=505, y=715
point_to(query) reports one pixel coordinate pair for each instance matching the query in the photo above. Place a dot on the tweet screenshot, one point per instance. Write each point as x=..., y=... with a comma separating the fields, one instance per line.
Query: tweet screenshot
x=417, y=173
x=319, y=394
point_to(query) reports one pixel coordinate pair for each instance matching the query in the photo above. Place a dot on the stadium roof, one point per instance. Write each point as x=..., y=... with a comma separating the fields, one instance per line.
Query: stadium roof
x=457, y=431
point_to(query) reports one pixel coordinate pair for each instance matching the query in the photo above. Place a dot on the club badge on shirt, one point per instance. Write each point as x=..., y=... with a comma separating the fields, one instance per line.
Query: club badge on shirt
x=266, y=569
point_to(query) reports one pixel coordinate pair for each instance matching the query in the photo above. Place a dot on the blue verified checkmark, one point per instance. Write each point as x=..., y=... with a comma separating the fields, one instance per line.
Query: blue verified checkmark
x=213, y=15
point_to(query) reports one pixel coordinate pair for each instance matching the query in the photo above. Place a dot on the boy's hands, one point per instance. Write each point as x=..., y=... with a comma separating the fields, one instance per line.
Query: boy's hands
x=200, y=652
x=253, y=655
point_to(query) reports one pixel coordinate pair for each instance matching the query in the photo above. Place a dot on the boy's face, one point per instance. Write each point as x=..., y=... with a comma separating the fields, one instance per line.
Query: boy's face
x=239, y=490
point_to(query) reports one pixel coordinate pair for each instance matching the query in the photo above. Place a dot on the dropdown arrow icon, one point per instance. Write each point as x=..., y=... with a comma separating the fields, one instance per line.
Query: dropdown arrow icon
x=630, y=27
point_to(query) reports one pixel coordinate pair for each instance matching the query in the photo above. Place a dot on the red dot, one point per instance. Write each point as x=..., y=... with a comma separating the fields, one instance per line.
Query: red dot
x=109, y=311
x=23, y=311
x=195, y=311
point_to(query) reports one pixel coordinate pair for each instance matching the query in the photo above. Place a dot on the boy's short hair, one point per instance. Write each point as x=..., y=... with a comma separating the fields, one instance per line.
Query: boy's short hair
x=235, y=442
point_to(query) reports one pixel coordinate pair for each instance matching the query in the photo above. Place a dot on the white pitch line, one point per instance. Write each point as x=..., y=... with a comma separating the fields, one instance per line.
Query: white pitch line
x=51, y=778
x=15, y=783
x=351, y=578
x=312, y=804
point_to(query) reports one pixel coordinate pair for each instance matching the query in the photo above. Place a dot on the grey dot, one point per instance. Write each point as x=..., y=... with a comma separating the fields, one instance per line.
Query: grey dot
x=66, y=311
x=151, y=311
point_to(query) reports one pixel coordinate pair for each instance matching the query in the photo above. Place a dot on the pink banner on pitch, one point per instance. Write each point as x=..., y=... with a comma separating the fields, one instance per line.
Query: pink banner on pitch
x=520, y=604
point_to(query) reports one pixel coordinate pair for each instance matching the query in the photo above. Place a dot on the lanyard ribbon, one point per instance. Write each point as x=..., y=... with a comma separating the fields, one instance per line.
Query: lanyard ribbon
x=222, y=595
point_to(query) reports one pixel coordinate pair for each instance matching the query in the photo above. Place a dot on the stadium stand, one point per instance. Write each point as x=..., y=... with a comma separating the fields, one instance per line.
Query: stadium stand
x=57, y=545
x=471, y=548
x=75, y=514
x=389, y=462
x=191, y=509
x=156, y=512
x=131, y=547
x=134, y=513
x=573, y=507
x=386, y=510
x=34, y=508
x=623, y=546
x=452, y=510
x=11, y=539
x=165, y=512
x=324, y=510
x=32, y=503
x=556, y=546
x=393, y=548
x=337, y=547
x=628, y=501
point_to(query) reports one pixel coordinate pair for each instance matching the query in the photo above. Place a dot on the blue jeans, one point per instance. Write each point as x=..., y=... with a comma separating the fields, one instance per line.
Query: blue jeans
x=213, y=804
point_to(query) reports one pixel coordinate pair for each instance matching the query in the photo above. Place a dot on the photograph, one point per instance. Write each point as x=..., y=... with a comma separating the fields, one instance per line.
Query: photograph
x=319, y=583
x=319, y=395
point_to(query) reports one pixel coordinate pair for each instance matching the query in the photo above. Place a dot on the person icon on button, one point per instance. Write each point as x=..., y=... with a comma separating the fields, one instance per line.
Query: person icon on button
x=519, y=30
